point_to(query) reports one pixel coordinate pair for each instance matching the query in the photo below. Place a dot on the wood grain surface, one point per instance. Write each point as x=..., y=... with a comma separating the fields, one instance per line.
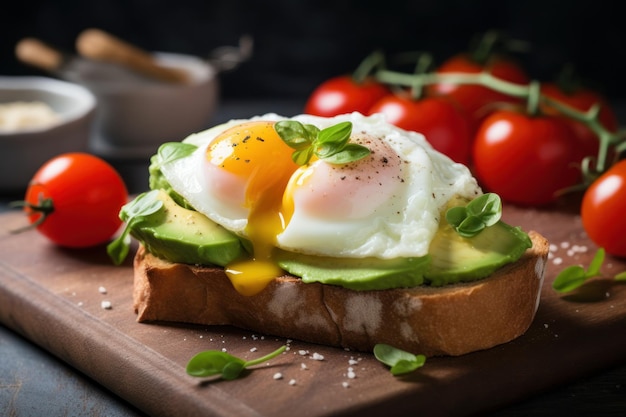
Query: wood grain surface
x=54, y=298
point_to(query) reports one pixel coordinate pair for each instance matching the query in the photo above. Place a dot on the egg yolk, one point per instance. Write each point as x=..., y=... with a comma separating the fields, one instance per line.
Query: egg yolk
x=254, y=151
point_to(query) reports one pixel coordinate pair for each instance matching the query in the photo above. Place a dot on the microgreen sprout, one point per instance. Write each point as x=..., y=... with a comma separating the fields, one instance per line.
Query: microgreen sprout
x=216, y=362
x=135, y=211
x=482, y=212
x=331, y=144
x=575, y=276
x=400, y=361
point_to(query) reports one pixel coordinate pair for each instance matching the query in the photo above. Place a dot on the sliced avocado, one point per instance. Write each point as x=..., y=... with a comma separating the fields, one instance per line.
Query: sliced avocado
x=353, y=273
x=460, y=259
x=180, y=235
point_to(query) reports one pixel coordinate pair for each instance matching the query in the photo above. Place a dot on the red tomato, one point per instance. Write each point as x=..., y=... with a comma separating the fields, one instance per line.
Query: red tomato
x=342, y=94
x=444, y=124
x=475, y=99
x=525, y=159
x=603, y=210
x=582, y=99
x=86, y=195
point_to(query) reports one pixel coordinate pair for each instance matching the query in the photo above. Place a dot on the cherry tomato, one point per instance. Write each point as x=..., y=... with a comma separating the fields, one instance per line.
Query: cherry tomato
x=476, y=100
x=441, y=121
x=342, y=94
x=603, y=210
x=83, y=195
x=525, y=159
x=582, y=99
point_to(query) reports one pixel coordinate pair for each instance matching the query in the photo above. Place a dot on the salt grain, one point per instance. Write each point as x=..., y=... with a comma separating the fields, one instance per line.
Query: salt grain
x=102, y=290
x=278, y=376
x=292, y=382
x=106, y=305
x=317, y=357
x=345, y=385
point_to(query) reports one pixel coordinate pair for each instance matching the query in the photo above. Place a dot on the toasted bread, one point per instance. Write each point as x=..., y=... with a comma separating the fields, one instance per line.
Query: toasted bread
x=434, y=321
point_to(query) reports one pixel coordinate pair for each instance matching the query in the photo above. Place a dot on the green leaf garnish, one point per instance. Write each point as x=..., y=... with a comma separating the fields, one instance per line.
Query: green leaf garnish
x=215, y=362
x=574, y=276
x=400, y=361
x=621, y=276
x=172, y=151
x=135, y=211
x=331, y=144
x=481, y=212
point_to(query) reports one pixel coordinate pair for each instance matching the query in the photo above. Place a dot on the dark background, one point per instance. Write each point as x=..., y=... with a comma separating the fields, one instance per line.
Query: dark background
x=298, y=44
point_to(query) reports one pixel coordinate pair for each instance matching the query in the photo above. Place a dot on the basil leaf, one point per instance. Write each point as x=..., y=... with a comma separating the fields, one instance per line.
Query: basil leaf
x=295, y=134
x=400, y=361
x=330, y=144
x=338, y=135
x=133, y=212
x=216, y=362
x=481, y=212
x=569, y=279
x=350, y=153
x=172, y=151
x=596, y=263
x=211, y=362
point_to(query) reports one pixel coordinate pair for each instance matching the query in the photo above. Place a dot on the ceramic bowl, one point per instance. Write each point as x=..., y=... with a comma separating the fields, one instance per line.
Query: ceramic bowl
x=135, y=115
x=23, y=150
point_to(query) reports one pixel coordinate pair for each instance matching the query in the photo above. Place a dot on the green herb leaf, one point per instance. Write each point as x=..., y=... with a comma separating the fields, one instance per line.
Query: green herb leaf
x=482, y=212
x=215, y=362
x=135, y=211
x=596, y=263
x=570, y=278
x=621, y=276
x=331, y=144
x=400, y=361
x=574, y=276
x=172, y=151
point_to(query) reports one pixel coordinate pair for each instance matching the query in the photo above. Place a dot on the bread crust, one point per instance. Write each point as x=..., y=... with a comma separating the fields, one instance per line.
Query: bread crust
x=451, y=320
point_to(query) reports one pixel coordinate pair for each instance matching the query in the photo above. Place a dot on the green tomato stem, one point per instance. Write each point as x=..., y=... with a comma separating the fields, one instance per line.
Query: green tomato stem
x=376, y=60
x=589, y=118
x=45, y=208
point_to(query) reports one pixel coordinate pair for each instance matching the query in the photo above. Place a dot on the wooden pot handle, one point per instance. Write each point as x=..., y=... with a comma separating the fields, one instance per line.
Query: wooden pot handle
x=99, y=45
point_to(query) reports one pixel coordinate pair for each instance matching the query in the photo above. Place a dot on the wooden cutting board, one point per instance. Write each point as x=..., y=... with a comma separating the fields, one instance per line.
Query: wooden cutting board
x=54, y=297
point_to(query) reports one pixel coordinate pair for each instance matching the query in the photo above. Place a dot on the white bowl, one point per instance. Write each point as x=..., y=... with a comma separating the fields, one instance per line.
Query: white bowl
x=136, y=115
x=23, y=151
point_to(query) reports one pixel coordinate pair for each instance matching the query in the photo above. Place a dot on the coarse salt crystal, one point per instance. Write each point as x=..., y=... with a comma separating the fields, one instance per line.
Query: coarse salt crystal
x=316, y=356
x=278, y=375
x=106, y=305
x=102, y=290
x=345, y=384
x=292, y=382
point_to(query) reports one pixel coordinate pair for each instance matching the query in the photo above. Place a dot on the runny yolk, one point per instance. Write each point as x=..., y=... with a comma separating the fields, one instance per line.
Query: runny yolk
x=255, y=152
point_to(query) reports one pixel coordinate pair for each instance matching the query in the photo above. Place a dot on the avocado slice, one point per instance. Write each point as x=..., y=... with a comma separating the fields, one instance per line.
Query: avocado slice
x=178, y=234
x=460, y=259
x=355, y=273
x=181, y=235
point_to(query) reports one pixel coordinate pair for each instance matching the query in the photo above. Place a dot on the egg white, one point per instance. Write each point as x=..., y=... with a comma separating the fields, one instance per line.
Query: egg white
x=402, y=225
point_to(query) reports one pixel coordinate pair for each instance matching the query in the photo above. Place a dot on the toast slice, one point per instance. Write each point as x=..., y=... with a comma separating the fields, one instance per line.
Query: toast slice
x=434, y=321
